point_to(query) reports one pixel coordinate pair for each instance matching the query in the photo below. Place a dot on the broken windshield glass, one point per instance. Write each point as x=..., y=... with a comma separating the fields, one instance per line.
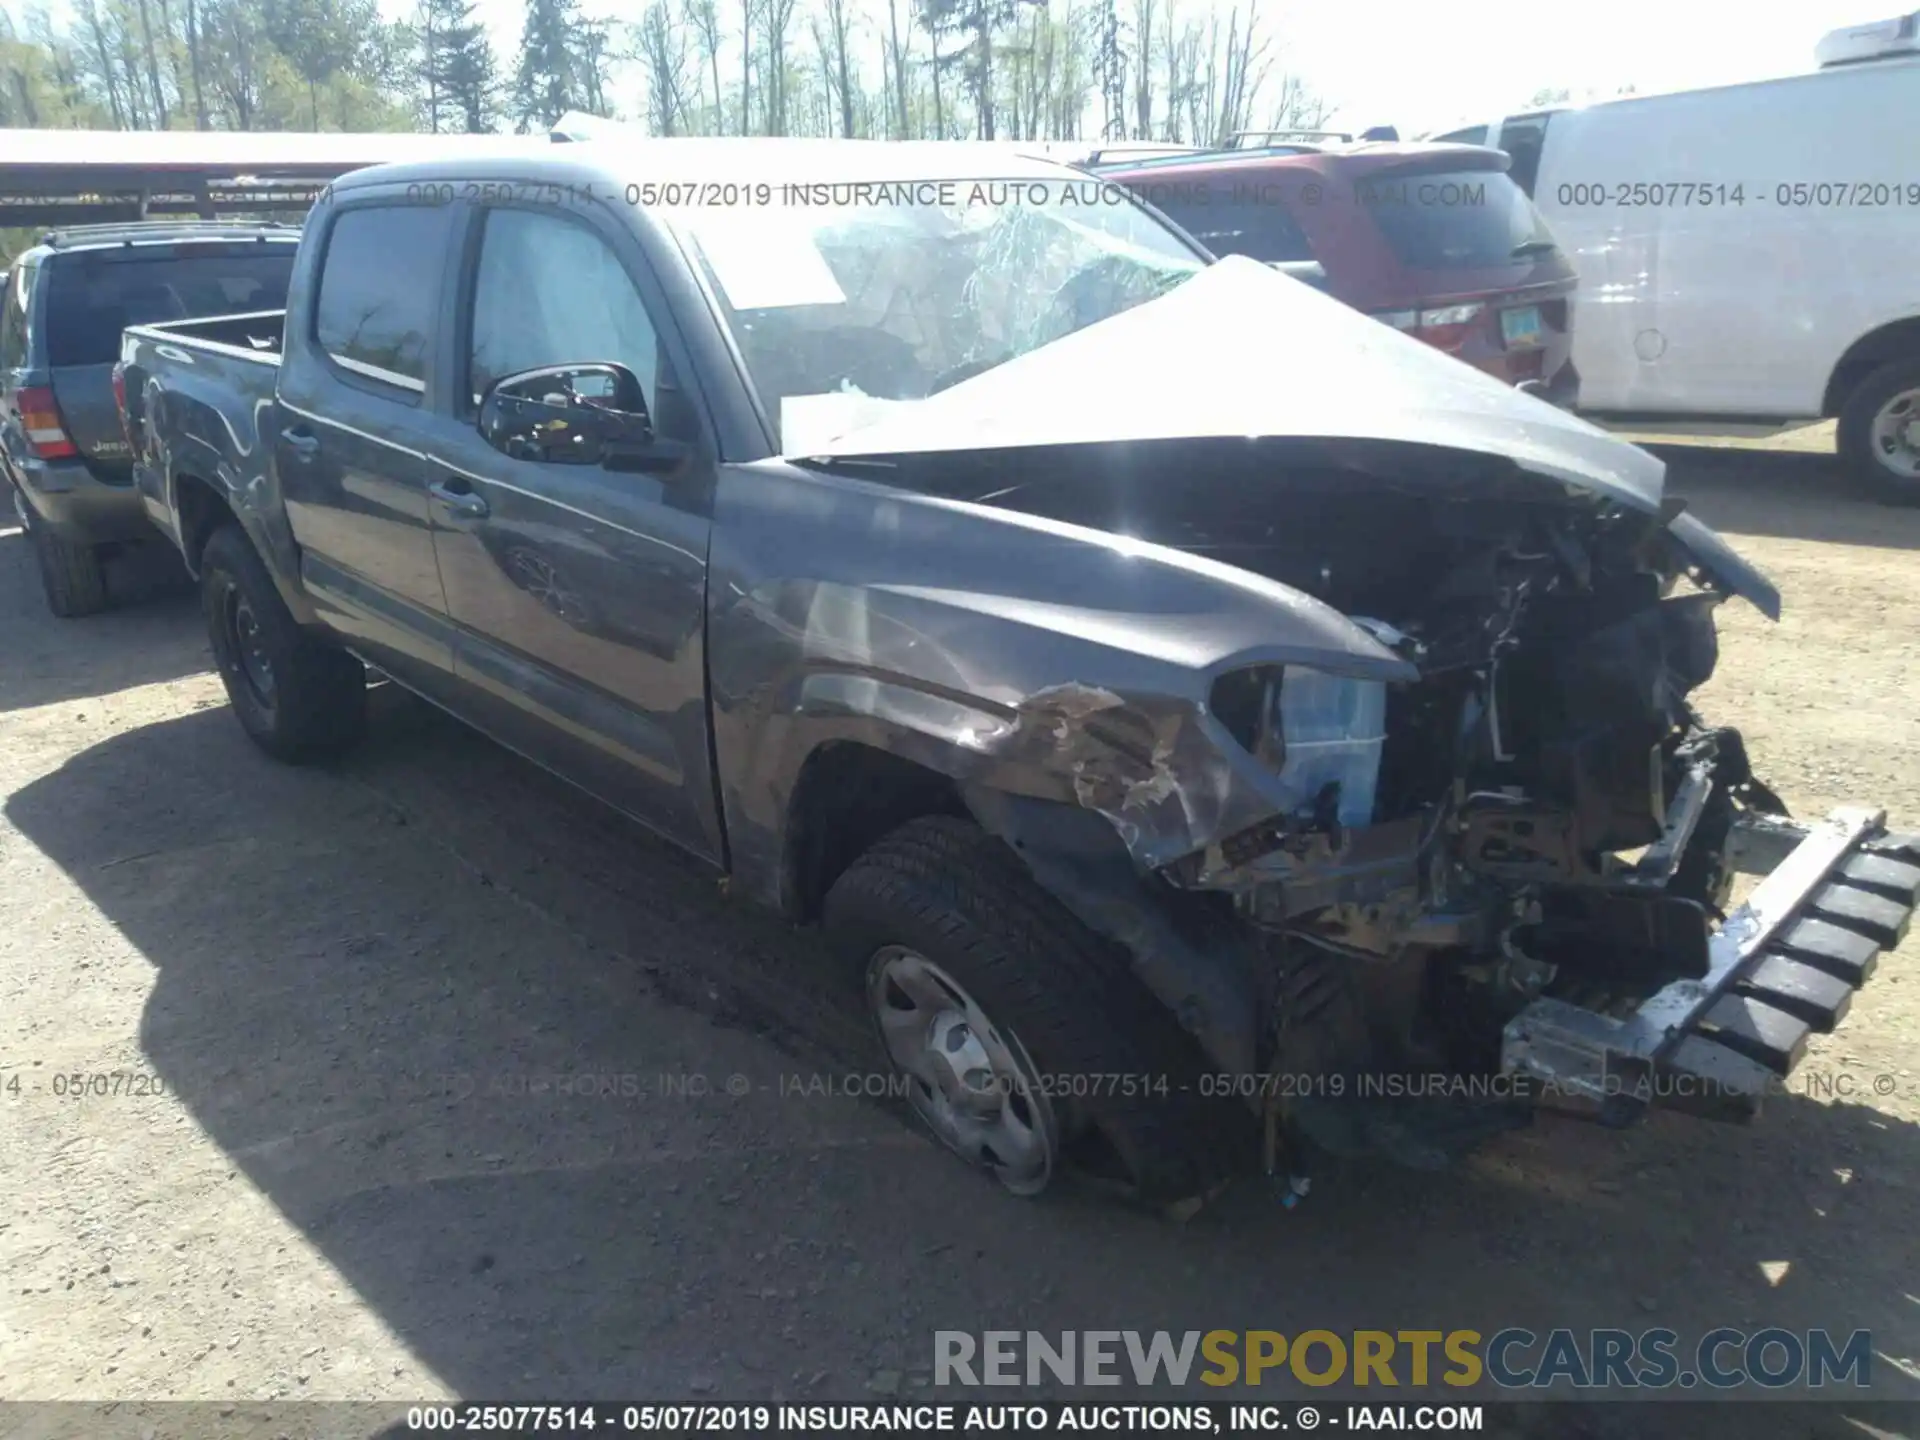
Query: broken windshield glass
x=886, y=295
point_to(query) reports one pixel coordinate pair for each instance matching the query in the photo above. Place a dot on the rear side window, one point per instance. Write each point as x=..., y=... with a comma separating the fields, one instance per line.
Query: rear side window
x=1523, y=137
x=1232, y=218
x=380, y=289
x=1455, y=220
x=92, y=295
x=13, y=319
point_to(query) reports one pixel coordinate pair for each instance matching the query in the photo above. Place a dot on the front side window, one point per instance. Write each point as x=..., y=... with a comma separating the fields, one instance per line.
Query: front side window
x=551, y=292
x=379, y=291
x=868, y=296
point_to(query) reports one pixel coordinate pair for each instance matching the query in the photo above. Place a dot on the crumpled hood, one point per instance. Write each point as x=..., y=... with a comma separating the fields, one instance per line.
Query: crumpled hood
x=1243, y=350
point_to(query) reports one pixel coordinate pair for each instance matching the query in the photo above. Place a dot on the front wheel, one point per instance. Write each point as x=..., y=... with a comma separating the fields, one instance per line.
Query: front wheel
x=1022, y=1040
x=1879, y=431
x=297, y=698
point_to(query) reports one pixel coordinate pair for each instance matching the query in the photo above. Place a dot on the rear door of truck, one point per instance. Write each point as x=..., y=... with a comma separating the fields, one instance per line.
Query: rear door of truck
x=94, y=293
x=356, y=400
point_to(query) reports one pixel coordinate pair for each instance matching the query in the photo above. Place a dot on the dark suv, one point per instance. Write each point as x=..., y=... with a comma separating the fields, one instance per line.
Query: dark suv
x=62, y=450
x=1435, y=240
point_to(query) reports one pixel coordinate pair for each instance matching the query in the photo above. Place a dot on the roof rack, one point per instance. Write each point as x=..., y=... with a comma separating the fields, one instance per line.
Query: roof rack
x=1184, y=157
x=1261, y=139
x=128, y=231
x=1148, y=150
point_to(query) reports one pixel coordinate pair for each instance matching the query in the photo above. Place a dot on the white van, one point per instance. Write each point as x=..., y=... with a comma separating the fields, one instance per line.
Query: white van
x=1749, y=253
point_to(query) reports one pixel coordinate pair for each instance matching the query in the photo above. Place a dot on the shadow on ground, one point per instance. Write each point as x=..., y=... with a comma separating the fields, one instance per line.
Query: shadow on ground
x=150, y=634
x=358, y=970
x=1792, y=495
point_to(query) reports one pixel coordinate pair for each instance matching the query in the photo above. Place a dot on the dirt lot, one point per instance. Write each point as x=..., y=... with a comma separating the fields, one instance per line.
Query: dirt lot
x=344, y=994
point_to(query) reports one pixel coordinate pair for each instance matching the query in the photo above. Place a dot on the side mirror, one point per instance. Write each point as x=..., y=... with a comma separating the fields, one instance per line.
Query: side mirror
x=588, y=414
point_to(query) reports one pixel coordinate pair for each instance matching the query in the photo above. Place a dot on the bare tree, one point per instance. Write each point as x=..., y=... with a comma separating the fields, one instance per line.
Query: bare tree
x=665, y=54
x=153, y=66
x=836, y=69
x=704, y=17
x=1295, y=107
x=1143, y=69
x=1110, y=64
x=89, y=13
x=896, y=47
x=193, y=64
x=776, y=20
x=1246, y=66
x=747, y=11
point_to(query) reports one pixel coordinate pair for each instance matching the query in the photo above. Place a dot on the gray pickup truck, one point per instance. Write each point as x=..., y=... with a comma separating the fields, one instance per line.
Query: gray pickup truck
x=1216, y=728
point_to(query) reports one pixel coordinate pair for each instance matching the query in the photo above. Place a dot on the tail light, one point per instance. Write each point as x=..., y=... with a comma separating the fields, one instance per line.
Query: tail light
x=120, y=401
x=1445, y=328
x=40, y=418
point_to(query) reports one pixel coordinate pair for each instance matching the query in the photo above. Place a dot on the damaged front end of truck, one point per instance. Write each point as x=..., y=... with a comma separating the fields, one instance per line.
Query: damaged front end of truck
x=1453, y=842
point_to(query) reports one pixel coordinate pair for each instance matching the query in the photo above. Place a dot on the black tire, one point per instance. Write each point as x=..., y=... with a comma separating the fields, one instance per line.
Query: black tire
x=313, y=702
x=956, y=895
x=1856, y=443
x=71, y=574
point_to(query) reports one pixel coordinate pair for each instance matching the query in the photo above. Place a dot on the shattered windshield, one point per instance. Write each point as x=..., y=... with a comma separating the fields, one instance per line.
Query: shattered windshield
x=887, y=293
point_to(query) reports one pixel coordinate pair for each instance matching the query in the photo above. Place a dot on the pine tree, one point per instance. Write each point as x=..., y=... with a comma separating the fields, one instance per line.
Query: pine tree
x=552, y=67
x=456, y=67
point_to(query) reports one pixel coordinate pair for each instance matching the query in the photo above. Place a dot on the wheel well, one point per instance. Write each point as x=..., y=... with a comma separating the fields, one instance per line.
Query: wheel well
x=202, y=510
x=848, y=796
x=1864, y=356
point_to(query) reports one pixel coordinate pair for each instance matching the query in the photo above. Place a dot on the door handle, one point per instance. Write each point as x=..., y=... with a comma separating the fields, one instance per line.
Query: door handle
x=457, y=495
x=304, y=444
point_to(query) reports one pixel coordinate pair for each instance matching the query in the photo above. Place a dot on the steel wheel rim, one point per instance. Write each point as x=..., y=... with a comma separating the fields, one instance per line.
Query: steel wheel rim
x=1896, y=434
x=249, y=647
x=970, y=1081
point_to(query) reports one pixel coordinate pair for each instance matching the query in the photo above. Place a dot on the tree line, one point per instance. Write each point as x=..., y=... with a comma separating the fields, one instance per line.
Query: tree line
x=1192, y=71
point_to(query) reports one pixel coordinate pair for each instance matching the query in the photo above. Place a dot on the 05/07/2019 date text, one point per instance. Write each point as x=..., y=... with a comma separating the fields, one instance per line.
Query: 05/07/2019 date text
x=710, y=194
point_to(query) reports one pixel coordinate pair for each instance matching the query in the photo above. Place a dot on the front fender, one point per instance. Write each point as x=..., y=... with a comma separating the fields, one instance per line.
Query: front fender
x=1008, y=652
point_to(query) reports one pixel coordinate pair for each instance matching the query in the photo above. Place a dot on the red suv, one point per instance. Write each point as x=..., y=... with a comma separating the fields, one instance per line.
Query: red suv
x=1432, y=239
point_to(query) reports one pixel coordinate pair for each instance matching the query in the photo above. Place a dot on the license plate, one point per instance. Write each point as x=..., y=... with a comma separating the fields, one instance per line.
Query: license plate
x=1520, y=327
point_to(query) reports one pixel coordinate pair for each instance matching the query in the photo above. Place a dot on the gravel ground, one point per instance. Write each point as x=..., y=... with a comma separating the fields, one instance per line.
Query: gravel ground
x=339, y=998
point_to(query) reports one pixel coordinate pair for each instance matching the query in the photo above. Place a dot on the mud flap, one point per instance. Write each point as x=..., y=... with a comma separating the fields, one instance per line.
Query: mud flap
x=1782, y=967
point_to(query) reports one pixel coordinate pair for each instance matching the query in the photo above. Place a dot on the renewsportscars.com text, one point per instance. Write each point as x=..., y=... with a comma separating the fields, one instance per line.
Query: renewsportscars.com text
x=1513, y=1358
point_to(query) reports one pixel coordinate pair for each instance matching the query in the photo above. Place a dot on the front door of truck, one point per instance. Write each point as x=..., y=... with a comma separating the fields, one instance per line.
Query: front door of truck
x=578, y=592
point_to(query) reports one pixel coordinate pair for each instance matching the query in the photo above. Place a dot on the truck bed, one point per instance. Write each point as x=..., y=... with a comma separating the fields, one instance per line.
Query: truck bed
x=207, y=386
x=257, y=333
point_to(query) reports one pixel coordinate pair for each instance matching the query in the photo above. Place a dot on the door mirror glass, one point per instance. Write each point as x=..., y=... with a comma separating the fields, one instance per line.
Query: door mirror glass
x=587, y=414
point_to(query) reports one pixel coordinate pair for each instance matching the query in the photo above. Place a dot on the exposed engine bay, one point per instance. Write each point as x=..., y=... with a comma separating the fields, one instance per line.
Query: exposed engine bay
x=1541, y=813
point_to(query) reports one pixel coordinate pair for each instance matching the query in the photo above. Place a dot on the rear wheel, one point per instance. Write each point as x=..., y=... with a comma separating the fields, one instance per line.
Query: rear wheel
x=299, y=699
x=70, y=574
x=1879, y=432
x=1024, y=1041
